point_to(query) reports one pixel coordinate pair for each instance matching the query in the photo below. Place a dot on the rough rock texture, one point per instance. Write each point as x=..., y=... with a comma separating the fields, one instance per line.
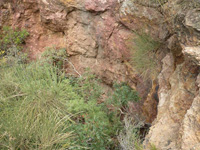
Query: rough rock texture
x=95, y=34
x=143, y=19
x=177, y=125
x=176, y=96
x=193, y=53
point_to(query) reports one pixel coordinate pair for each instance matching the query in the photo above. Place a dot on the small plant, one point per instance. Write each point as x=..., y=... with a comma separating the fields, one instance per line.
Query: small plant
x=55, y=56
x=144, y=55
x=10, y=38
x=153, y=147
x=122, y=95
x=11, y=45
x=129, y=138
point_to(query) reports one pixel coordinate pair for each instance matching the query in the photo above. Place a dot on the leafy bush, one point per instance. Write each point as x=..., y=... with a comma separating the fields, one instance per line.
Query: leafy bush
x=11, y=44
x=95, y=128
x=144, y=51
x=93, y=125
x=10, y=38
x=122, y=95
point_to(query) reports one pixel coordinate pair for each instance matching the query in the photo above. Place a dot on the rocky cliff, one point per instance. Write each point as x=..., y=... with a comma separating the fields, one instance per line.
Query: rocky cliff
x=95, y=34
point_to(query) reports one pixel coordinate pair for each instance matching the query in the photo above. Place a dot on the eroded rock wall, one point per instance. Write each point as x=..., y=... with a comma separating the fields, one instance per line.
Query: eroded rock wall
x=95, y=35
x=177, y=125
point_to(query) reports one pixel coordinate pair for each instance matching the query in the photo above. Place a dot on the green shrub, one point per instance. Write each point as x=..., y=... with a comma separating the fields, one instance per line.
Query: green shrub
x=11, y=42
x=94, y=127
x=10, y=38
x=88, y=86
x=144, y=55
x=42, y=108
x=122, y=95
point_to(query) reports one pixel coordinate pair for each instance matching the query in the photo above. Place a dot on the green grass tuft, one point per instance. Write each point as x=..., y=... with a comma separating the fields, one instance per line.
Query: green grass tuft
x=144, y=55
x=33, y=112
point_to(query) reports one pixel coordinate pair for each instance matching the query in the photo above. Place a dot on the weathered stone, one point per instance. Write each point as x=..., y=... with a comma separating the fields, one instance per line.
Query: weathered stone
x=192, y=19
x=193, y=53
x=99, y=5
x=191, y=127
x=176, y=96
x=144, y=20
x=80, y=35
x=150, y=104
x=54, y=15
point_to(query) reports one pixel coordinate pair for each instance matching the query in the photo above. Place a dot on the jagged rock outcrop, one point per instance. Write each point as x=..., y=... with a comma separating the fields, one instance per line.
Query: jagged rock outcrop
x=95, y=35
x=177, y=125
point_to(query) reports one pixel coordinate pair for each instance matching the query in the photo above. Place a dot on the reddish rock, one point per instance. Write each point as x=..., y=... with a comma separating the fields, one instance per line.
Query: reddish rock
x=99, y=5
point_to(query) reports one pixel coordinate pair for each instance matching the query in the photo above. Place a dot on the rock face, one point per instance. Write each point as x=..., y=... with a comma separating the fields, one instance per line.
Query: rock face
x=177, y=125
x=95, y=34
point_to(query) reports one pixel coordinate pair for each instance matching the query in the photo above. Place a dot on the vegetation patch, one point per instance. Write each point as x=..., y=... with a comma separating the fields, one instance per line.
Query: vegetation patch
x=95, y=128
x=42, y=108
x=129, y=138
x=11, y=42
x=55, y=56
x=33, y=111
x=122, y=95
x=144, y=55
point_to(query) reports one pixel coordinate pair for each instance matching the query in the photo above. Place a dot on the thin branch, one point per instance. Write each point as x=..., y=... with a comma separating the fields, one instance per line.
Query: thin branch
x=18, y=95
x=70, y=64
x=73, y=67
